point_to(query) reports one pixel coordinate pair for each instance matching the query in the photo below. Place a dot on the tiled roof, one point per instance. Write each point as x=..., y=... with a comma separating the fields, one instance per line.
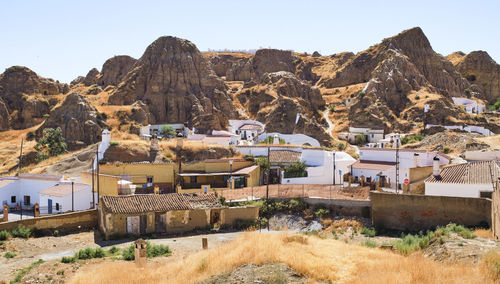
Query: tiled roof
x=63, y=189
x=142, y=203
x=284, y=156
x=484, y=172
x=40, y=176
x=373, y=165
x=250, y=127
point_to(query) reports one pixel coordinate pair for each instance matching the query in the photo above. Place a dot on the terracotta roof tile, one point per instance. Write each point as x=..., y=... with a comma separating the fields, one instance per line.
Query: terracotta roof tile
x=284, y=156
x=63, y=189
x=250, y=127
x=484, y=172
x=373, y=165
x=142, y=203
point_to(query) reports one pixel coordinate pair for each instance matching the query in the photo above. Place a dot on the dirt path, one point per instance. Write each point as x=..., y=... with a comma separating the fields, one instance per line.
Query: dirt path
x=330, y=123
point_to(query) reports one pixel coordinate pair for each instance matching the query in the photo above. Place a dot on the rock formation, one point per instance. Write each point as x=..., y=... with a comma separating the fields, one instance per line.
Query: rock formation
x=80, y=122
x=285, y=104
x=24, y=97
x=483, y=72
x=115, y=69
x=174, y=80
x=264, y=61
x=220, y=63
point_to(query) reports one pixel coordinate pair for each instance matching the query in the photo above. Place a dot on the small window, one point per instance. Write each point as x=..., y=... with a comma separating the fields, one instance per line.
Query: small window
x=13, y=199
x=193, y=179
x=57, y=206
x=149, y=180
x=27, y=200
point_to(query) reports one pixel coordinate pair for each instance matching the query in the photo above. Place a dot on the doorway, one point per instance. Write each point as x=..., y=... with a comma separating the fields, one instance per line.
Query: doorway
x=49, y=206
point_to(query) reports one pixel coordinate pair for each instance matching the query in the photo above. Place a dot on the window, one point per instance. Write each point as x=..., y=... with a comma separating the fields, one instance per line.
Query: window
x=149, y=179
x=13, y=199
x=57, y=206
x=27, y=200
x=192, y=179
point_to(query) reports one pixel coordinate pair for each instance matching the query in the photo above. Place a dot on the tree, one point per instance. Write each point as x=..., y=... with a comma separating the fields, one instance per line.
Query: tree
x=51, y=144
x=360, y=139
x=270, y=140
x=168, y=131
x=297, y=169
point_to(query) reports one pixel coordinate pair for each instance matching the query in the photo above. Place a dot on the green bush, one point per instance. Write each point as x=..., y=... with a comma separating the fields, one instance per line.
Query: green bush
x=296, y=169
x=370, y=244
x=4, y=235
x=55, y=233
x=152, y=250
x=68, y=259
x=25, y=271
x=368, y=232
x=361, y=94
x=89, y=253
x=52, y=143
x=359, y=139
x=270, y=140
x=128, y=253
x=9, y=254
x=446, y=149
x=331, y=109
x=321, y=212
x=114, y=143
x=21, y=232
x=113, y=250
x=409, y=139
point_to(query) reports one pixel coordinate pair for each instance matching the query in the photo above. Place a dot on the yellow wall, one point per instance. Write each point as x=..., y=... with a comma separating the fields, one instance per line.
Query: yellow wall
x=254, y=177
x=230, y=214
x=419, y=173
x=214, y=167
x=162, y=173
x=108, y=185
x=187, y=220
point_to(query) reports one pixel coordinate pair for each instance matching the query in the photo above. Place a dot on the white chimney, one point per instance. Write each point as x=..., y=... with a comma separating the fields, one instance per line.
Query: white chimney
x=276, y=139
x=435, y=166
x=415, y=160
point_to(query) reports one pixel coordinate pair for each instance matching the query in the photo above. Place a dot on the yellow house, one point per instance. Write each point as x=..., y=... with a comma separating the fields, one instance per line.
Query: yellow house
x=215, y=173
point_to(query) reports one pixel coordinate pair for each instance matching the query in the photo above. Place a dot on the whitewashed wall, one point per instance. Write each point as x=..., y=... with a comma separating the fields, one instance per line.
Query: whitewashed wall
x=456, y=190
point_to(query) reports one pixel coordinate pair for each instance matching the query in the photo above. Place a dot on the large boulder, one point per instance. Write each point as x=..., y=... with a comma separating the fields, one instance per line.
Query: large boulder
x=220, y=63
x=483, y=72
x=115, y=69
x=80, y=122
x=177, y=84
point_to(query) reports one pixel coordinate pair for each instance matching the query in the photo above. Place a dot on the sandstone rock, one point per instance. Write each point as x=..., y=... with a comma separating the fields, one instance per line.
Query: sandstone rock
x=115, y=69
x=140, y=113
x=482, y=71
x=285, y=104
x=316, y=54
x=264, y=61
x=221, y=63
x=174, y=80
x=313, y=69
x=78, y=120
x=413, y=44
x=4, y=116
x=92, y=77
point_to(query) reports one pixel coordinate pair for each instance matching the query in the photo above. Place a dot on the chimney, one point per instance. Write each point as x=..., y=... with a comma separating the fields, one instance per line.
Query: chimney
x=415, y=160
x=435, y=166
x=276, y=139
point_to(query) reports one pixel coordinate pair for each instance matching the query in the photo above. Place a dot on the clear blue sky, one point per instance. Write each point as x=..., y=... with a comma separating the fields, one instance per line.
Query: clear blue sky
x=64, y=39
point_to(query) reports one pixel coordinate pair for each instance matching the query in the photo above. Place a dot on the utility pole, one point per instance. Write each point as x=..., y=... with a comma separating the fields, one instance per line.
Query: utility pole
x=397, y=162
x=93, y=188
x=97, y=169
x=334, y=167
x=268, y=172
x=72, y=195
x=20, y=158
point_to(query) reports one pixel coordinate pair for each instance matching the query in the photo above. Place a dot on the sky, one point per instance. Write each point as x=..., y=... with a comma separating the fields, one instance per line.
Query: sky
x=65, y=39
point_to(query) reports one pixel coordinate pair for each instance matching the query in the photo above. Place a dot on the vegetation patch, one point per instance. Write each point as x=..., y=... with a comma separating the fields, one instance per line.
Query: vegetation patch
x=25, y=271
x=152, y=250
x=21, y=232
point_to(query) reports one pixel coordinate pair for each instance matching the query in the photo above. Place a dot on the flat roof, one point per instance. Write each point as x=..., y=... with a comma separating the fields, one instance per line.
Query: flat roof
x=62, y=189
x=373, y=165
x=240, y=172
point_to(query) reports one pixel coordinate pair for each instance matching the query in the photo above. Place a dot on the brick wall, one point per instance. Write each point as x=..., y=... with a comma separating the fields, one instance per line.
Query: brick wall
x=421, y=212
x=86, y=219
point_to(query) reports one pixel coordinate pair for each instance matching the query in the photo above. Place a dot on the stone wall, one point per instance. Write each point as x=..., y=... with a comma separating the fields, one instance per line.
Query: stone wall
x=66, y=222
x=420, y=212
x=344, y=207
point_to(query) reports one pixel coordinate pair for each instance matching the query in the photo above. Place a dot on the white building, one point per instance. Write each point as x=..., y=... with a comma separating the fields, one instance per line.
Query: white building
x=219, y=137
x=319, y=163
x=483, y=155
x=146, y=132
x=470, y=106
x=246, y=129
x=380, y=163
x=60, y=198
x=371, y=134
x=293, y=139
x=468, y=128
x=24, y=189
x=474, y=179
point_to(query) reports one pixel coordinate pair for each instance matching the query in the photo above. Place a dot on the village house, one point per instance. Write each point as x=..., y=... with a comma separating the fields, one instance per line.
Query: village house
x=482, y=155
x=219, y=137
x=470, y=106
x=146, y=132
x=293, y=139
x=66, y=196
x=370, y=134
x=248, y=130
x=475, y=179
x=379, y=164
x=319, y=163
x=166, y=213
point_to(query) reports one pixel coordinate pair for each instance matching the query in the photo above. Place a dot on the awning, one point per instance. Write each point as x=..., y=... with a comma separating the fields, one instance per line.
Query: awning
x=240, y=172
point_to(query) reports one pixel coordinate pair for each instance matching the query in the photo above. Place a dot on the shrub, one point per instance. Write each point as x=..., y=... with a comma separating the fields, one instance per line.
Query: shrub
x=321, y=212
x=152, y=250
x=168, y=131
x=52, y=142
x=55, y=233
x=9, y=254
x=331, y=109
x=114, y=143
x=4, y=235
x=417, y=97
x=25, y=271
x=360, y=139
x=89, y=253
x=21, y=232
x=68, y=259
x=368, y=232
x=492, y=262
x=409, y=139
x=340, y=146
x=113, y=250
x=296, y=169
x=370, y=244
x=128, y=253
x=270, y=140
x=446, y=149
x=361, y=94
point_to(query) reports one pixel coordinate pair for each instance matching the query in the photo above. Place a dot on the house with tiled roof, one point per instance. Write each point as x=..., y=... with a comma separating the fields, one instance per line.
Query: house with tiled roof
x=166, y=213
x=475, y=179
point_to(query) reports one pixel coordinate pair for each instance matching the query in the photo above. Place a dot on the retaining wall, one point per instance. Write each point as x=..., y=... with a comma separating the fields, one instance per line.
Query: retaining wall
x=86, y=219
x=409, y=212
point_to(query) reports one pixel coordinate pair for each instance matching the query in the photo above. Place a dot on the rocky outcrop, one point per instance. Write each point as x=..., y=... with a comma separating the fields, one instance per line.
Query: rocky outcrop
x=313, y=69
x=264, y=61
x=285, y=104
x=115, y=69
x=483, y=72
x=92, y=77
x=80, y=122
x=176, y=83
x=24, y=97
x=412, y=44
x=221, y=63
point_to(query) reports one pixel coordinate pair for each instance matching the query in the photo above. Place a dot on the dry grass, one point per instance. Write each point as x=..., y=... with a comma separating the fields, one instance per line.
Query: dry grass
x=484, y=233
x=320, y=259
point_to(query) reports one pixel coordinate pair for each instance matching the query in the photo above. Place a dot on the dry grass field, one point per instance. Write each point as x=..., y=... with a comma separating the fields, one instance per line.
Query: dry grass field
x=312, y=257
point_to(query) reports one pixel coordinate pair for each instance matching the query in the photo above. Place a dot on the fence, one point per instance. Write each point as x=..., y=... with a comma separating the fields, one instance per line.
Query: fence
x=296, y=191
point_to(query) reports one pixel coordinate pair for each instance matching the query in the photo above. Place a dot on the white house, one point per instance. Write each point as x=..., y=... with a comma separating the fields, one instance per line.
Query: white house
x=219, y=137
x=371, y=134
x=247, y=129
x=64, y=197
x=474, y=179
x=145, y=132
x=319, y=163
x=468, y=128
x=380, y=163
x=24, y=189
x=483, y=155
x=293, y=139
x=470, y=106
